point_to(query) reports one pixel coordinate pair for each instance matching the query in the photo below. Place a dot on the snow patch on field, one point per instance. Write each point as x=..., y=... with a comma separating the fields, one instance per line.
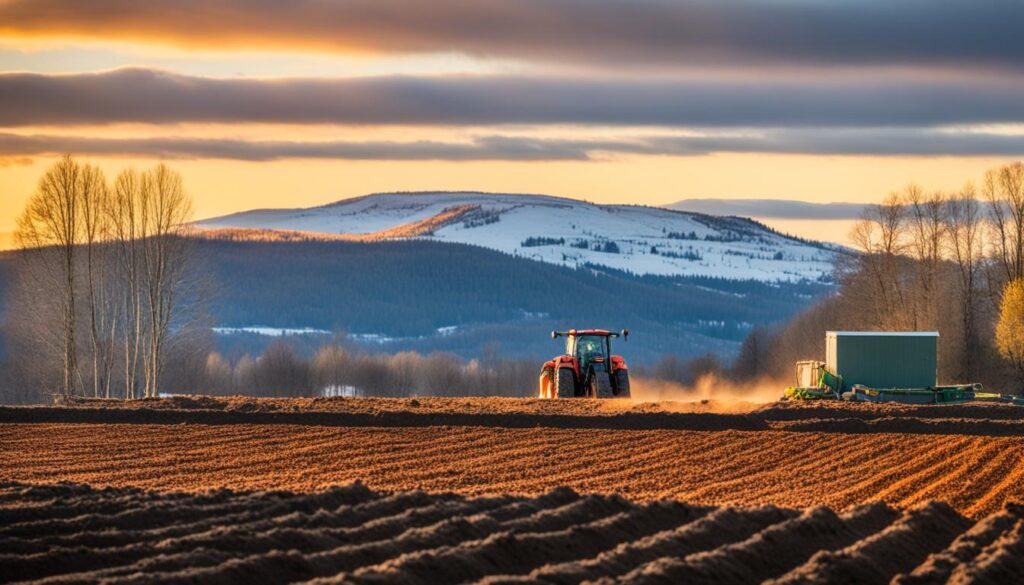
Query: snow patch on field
x=377, y=338
x=270, y=331
x=366, y=338
x=341, y=391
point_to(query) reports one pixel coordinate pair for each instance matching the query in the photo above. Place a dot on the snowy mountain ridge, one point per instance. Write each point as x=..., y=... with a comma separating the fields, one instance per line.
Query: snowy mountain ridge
x=570, y=232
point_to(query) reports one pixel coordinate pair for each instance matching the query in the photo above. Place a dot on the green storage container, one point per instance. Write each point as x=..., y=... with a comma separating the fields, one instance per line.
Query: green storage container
x=882, y=359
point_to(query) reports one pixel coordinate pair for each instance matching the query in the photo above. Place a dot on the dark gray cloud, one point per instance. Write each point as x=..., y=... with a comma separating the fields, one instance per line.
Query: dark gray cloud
x=771, y=208
x=882, y=142
x=142, y=95
x=639, y=32
x=846, y=141
x=487, y=148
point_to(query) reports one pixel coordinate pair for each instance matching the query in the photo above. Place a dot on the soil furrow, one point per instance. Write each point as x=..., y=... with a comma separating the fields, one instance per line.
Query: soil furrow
x=899, y=548
x=272, y=512
x=968, y=546
x=1000, y=562
x=514, y=551
x=254, y=538
x=765, y=555
x=288, y=566
x=718, y=528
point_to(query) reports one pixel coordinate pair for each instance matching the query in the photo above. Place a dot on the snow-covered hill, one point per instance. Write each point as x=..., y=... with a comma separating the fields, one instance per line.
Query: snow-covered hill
x=637, y=239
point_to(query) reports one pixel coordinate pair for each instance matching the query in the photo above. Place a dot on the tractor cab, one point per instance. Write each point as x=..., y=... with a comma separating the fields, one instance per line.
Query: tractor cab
x=587, y=368
x=589, y=350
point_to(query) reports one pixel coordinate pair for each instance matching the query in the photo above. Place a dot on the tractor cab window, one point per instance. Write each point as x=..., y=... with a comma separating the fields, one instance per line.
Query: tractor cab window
x=589, y=347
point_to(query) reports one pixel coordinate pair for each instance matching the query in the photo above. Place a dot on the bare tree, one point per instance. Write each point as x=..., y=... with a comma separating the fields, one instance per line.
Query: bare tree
x=965, y=237
x=332, y=368
x=880, y=234
x=1003, y=188
x=405, y=369
x=927, y=233
x=129, y=230
x=280, y=371
x=244, y=375
x=441, y=374
x=753, y=359
x=94, y=195
x=112, y=260
x=166, y=210
x=371, y=376
x=48, y=232
x=217, y=375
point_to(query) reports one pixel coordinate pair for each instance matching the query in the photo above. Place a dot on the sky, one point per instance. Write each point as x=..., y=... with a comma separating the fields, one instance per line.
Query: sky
x=273, y=103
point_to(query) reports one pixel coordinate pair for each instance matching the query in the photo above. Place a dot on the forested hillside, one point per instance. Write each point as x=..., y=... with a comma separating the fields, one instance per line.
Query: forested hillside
x=437, y=296
x=430, y=295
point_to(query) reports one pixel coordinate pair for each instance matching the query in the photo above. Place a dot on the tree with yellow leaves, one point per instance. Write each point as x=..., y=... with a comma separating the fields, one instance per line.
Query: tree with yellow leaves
x=1010, y=328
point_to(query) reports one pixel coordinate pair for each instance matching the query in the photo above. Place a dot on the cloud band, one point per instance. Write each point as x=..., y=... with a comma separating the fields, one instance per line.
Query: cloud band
x=149, y=96
x=910, y=142
x=943, y=32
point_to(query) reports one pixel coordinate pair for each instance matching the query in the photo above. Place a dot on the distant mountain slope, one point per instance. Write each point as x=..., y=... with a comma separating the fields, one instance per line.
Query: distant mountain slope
x=569, y=232
x=428, y=296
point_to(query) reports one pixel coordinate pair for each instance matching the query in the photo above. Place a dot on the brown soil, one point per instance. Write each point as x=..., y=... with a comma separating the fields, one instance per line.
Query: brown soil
x=987, y=419
x=974, y=474
x=351, y=534
x=514, y=490
x=793, y=410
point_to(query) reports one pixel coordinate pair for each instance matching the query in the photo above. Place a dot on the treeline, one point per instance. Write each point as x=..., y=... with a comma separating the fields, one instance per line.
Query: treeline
x=340, y=370
x=929, y=260
x=98, y=285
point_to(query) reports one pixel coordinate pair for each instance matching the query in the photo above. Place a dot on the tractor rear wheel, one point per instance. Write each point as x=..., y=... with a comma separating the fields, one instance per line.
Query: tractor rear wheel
x=600, y=385
x=622, y=384
x=565, y=382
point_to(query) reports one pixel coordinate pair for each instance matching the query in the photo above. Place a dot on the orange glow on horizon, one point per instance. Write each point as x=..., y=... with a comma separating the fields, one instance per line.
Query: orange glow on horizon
x=221, y=187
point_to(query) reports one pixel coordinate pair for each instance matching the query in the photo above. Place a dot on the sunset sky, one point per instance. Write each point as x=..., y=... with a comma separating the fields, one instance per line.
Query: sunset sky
x=267, y=103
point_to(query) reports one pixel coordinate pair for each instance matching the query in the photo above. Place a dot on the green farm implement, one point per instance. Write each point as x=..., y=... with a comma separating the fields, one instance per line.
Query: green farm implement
x=883, y=367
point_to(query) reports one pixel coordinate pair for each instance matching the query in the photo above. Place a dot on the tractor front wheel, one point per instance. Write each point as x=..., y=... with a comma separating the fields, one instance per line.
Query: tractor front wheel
x=600, y=385
x=565, y=382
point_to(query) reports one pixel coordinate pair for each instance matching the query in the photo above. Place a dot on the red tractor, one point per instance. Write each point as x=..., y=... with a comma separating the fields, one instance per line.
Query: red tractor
x=588, y=368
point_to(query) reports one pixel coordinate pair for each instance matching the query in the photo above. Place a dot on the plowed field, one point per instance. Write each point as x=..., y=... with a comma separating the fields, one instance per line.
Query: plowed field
x=793, y=455
x=973, y=474
x=355, y=535
x=874, y=489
